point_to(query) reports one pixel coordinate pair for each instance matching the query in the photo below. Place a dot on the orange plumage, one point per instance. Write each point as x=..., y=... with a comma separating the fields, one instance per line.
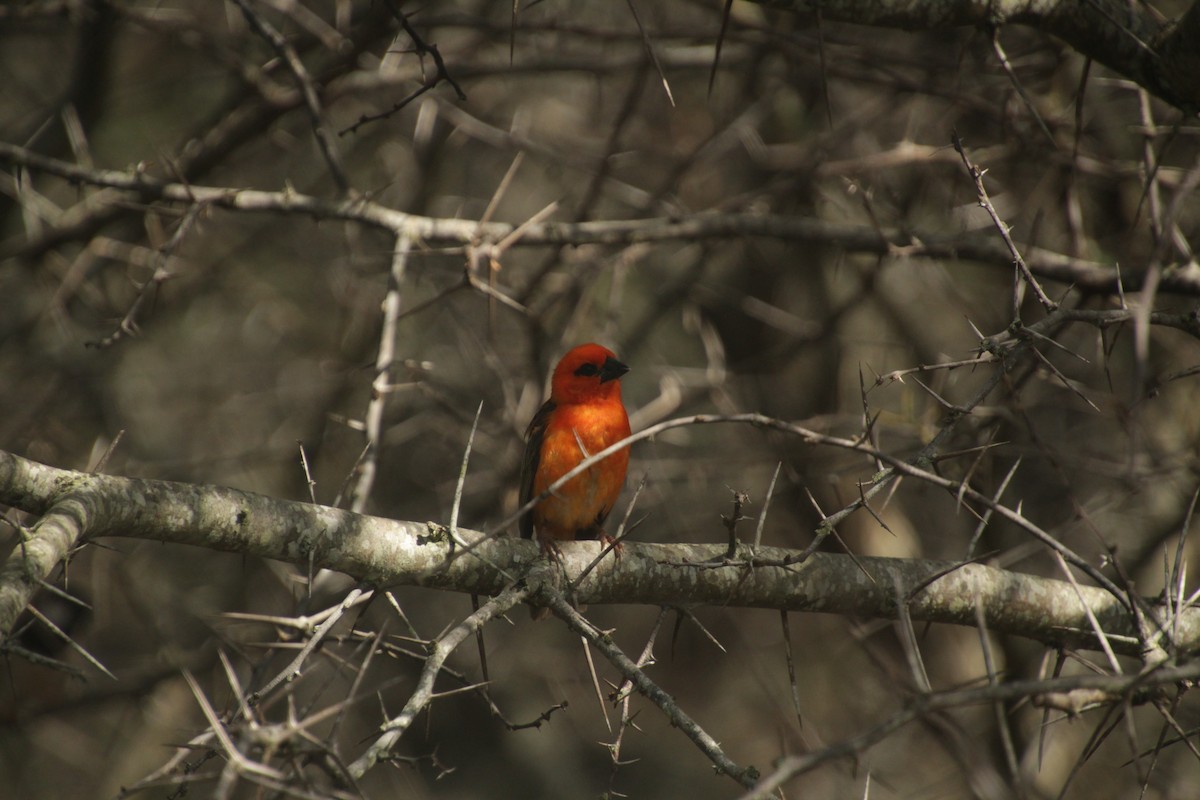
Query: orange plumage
x=583, y=416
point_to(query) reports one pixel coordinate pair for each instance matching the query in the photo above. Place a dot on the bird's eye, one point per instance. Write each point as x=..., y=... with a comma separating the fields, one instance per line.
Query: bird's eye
x=587, y=371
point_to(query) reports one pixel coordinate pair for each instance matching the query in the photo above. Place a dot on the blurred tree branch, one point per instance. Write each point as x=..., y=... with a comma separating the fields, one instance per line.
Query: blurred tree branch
x=1046, y=693
x=1085, y=275
x=384, y=552
x=1128, y=38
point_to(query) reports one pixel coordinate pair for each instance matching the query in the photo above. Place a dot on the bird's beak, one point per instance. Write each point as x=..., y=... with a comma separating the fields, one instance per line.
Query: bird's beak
x=611, y=370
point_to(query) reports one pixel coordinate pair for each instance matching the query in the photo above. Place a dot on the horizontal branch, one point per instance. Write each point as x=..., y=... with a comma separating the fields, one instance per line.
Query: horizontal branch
x=1084, y=275
x=391, y=552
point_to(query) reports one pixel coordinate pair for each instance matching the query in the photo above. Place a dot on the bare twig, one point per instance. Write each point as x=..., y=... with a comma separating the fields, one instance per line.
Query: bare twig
x=922, y=705
x=1005, y=232
x=1083, y=274
x=385, y=361
x=395, y=727
x=680, y=719
x=421, y=48
x=308, y=90
x=353, y=598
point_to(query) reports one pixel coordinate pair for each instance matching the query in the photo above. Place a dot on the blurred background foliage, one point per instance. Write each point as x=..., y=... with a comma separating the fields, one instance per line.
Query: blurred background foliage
x=265, y=332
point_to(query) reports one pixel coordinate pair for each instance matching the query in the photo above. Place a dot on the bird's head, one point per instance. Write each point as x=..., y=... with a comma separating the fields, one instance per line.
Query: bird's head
x=587, y=372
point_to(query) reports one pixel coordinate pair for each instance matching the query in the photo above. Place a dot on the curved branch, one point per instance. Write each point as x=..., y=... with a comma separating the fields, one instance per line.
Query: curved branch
x=35, y=556
x=391, y=552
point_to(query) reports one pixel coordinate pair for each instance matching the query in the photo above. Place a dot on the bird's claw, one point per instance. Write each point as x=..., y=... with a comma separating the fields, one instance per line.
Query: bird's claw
x=615, y=544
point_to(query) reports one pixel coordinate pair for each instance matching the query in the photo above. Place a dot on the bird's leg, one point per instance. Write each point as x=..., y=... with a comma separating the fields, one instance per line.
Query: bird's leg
x=606, y=541
x=550, y=548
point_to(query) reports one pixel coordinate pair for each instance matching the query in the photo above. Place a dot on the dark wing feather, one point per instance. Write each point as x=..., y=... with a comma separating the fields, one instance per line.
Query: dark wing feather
x=534, y=436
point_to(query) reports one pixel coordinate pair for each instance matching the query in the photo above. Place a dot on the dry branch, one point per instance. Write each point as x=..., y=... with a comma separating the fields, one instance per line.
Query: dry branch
x=391, y=552
x=1131, y=40
x=1084, y=275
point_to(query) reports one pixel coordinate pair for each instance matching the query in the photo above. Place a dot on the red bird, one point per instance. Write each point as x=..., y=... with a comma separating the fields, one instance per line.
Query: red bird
x=583, y=416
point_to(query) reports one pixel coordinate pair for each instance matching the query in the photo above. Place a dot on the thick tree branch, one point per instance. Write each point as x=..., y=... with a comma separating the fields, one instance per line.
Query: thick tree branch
x=1127, y=38
x=390, y=552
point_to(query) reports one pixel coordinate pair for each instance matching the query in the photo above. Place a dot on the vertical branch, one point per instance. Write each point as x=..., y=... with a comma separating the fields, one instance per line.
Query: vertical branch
x=1005, y=232
x=31, y=561
x=308, y=91
x=384, y=361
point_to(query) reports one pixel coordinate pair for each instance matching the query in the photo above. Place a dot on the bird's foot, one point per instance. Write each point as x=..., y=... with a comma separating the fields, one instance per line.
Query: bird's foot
x=551, y=550
x=615, y=544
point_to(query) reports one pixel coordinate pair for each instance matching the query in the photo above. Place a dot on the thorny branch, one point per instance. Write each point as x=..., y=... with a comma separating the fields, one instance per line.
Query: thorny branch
x=630, y=670
x=1089, y=276
x=395, y=727
x=1072, y=613
x=421, y=48
x=387, y=552
x=1140, y=688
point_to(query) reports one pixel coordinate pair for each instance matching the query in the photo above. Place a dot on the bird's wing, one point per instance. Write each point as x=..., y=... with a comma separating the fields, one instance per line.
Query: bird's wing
x=534, y=436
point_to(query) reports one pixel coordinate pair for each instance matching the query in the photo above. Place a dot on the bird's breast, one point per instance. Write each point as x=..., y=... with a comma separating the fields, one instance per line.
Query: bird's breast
x=569, y=439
